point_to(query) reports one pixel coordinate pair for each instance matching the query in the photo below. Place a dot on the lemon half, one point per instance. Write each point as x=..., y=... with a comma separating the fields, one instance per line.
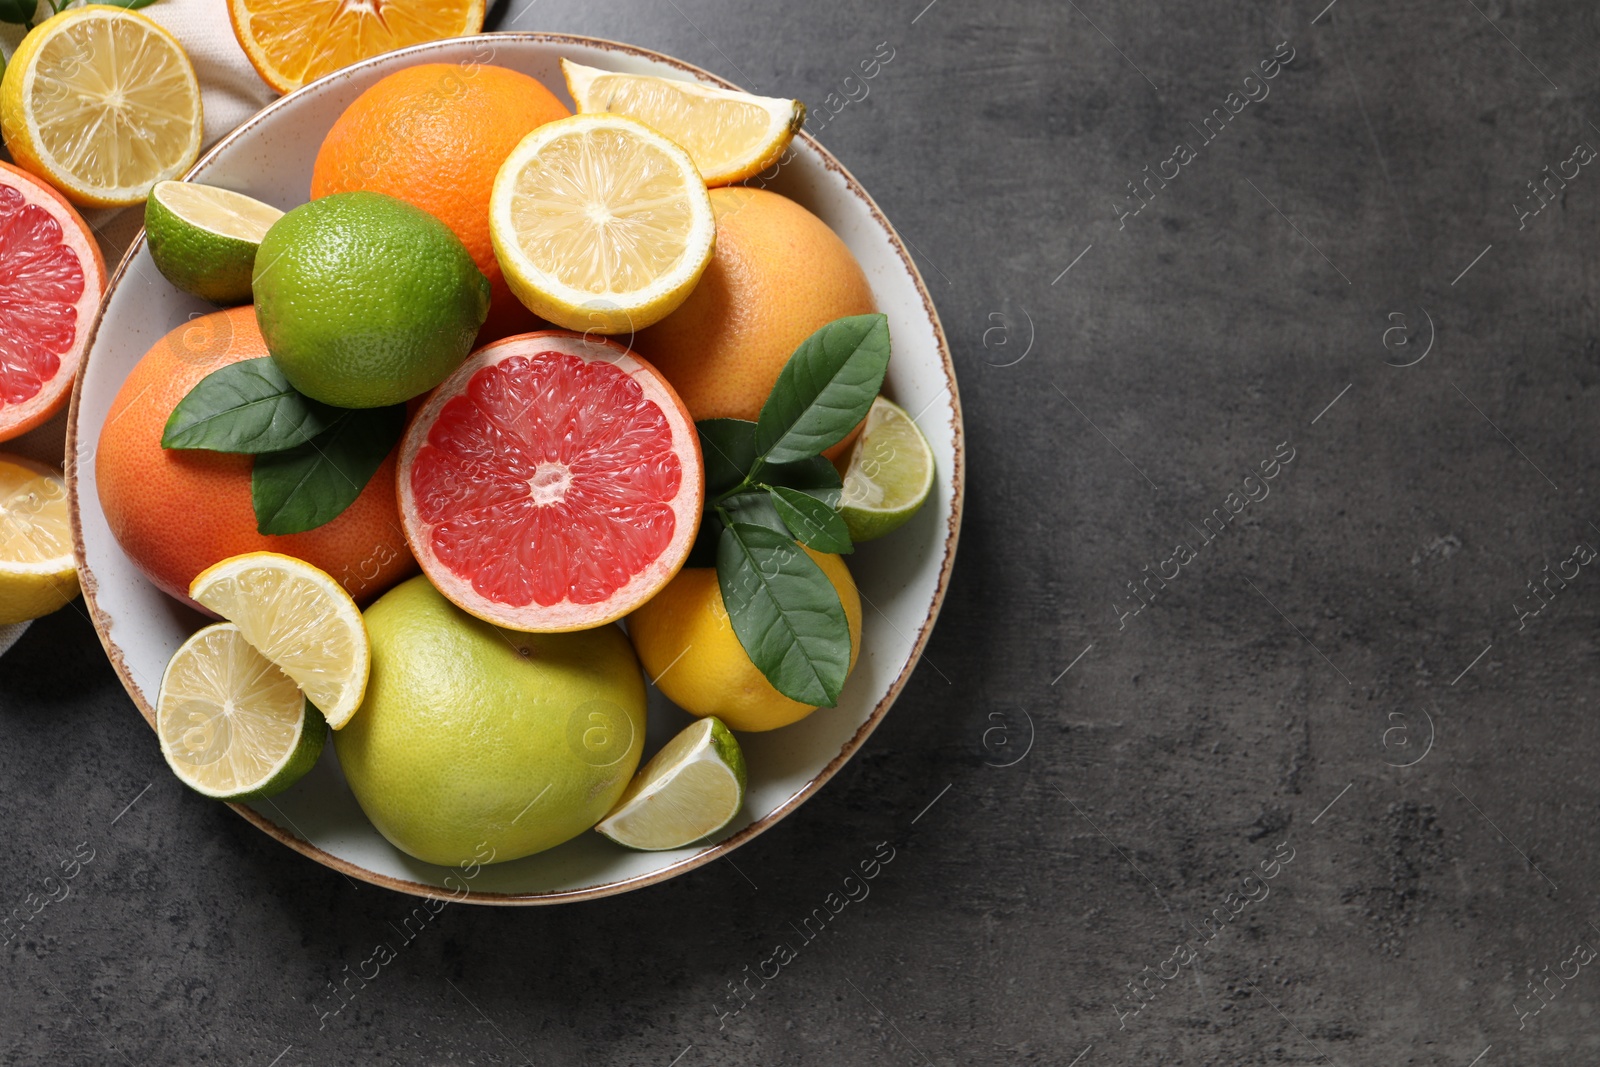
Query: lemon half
x=102, y=103
x=600, y=223
x=37, y=571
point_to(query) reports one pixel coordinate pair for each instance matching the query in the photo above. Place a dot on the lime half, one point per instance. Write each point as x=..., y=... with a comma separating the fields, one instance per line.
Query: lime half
x=231, y=725
x=691, y=789
x=204, y=239
x=890, y=473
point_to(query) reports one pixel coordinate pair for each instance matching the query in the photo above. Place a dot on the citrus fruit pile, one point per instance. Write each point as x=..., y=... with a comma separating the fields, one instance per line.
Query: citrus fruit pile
x=565, y=369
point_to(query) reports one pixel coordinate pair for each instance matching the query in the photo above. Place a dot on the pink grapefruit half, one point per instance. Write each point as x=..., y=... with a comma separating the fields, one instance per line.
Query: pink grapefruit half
x=51, y=278
x=552, y=483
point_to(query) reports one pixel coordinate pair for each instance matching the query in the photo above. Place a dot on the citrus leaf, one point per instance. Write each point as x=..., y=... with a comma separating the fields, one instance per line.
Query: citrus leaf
x=824, y=390
x=810, y=520
x=729, y=448
x=19, y=12
x=756, y=508
x=246, y=407
x=310, y=486
x=131, y=5
x=785, y=612
x=814, y=477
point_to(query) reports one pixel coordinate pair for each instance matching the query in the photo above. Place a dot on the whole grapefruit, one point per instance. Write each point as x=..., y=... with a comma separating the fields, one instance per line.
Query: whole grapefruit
x=435, y=135
x=777, y=275
x=175, y=513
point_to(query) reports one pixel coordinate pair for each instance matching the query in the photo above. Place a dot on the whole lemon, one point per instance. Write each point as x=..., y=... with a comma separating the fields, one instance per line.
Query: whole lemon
x=365, y=300
x=473, y=738
x=687, y=644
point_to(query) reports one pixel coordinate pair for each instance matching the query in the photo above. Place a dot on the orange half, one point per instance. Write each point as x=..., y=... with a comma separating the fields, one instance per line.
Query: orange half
x=292, y=42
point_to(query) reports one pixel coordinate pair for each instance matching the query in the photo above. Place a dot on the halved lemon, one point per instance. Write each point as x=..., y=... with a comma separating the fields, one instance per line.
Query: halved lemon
x=231, y=724
x=102, y=103
x=291, y=42
x=600, y=223
x=37, y=572
x=731, y=135
x=301, y=619
x=689, y=790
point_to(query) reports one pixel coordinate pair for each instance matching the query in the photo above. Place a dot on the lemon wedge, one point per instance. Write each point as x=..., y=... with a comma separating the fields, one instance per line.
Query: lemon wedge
x=102, y=103
x=231, y=725
x=300, y=619
x=600, y=223
x=37, y=572
x=731, y=135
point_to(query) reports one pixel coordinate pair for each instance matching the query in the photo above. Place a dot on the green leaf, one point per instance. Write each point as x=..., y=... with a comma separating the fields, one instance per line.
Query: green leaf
x=810, y=520
x=728, y=447
x=311, y=485
x=131, y=5
x=824, y=390
x=814, y=477
x=246, y=407
x=785, y=612
x=19, y=12
x=756, y=508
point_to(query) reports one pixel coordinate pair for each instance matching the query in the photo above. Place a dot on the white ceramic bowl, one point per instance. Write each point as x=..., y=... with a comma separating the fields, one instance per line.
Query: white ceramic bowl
x=902, y=578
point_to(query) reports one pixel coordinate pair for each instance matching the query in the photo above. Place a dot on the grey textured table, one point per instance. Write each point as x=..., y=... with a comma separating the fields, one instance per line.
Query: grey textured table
x=1329, y=797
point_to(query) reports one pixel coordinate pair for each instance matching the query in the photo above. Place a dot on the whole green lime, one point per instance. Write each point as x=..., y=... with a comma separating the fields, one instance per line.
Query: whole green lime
x=366, y=301
x=476, y=741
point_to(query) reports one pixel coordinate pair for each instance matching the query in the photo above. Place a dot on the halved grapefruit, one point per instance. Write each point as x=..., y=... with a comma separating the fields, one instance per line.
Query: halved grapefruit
x=51, y=278
x=552, y=483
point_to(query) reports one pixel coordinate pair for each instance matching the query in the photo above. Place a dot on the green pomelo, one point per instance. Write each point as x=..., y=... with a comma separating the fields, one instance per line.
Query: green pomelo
x=473, y=738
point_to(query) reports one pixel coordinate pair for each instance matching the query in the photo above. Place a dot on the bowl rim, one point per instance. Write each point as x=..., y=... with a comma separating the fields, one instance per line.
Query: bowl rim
x=102, y=621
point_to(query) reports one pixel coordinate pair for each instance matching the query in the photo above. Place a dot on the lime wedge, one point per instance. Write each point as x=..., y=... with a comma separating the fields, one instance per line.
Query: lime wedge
x=689, y=790
x=204, y=239
x=889, y=476
x=231, y=725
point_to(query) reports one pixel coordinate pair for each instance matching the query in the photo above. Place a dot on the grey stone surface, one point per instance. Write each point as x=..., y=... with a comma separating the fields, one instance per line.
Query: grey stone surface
x=1363, y=609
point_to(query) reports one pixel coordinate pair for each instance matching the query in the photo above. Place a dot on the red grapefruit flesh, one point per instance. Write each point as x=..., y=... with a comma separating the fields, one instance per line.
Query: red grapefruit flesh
x=552, y=483
x=51, y=278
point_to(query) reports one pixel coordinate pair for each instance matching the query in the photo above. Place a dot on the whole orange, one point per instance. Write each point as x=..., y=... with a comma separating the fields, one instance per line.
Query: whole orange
x=434, y=136
x=778, y=274
x=175, y=513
